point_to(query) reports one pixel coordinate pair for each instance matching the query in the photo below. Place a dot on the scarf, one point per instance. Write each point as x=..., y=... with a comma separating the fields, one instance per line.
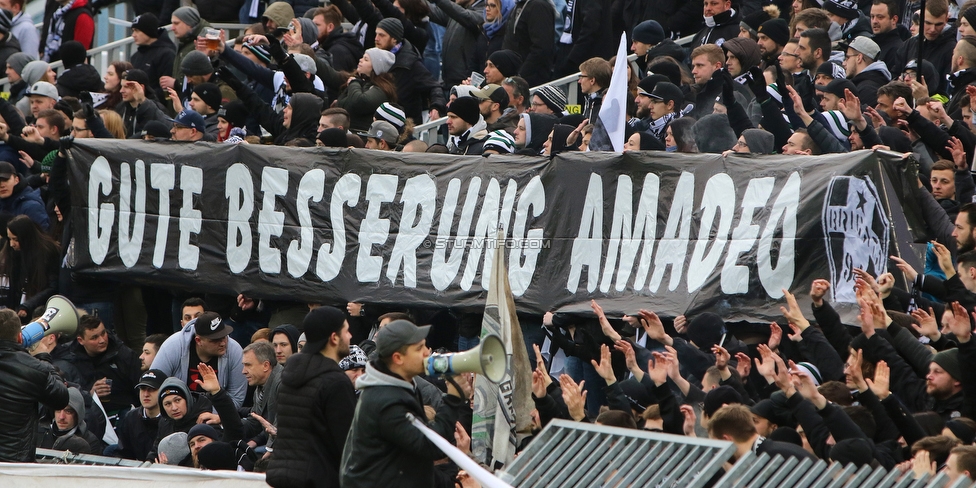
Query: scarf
x=56, y=28
x=720, y=18
x=492, y=28
x=658, y=126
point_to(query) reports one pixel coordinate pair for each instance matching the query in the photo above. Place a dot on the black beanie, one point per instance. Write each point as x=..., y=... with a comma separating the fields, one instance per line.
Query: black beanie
x=508, y=62
x=392, y=26
x=72, y=53
x=467, y=108
x=777, y=30
x=218, y=456
x=210, y=94
x=333, y=137
x=970, y=15
x=234, y=112
x=706, y=330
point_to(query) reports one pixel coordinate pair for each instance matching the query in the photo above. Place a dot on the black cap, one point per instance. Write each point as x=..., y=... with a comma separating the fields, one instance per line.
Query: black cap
x=646, y=86
x=209, y=325
x=152, y=379
x=319, y=325
x=837, y=87
x=723, y=395
x=137, y=75
x=147, y=23
x=397, y=334
x=667, y=92
x=6, y=170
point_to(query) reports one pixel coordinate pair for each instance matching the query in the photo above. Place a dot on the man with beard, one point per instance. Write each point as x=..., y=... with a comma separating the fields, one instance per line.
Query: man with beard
x=965, y=231
x=659, y=106
x=316, y=402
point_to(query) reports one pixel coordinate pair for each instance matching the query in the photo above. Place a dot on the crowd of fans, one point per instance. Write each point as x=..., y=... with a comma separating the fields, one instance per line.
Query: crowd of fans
x=216, y=381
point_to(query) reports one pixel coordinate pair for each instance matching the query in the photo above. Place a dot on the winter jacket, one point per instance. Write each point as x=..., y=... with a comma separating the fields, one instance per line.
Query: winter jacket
x=265, y=404
x=891, y=44
x=861, y=26
x=383, y=448
x=22, y=29
x=50, y=437
x=26, y=382
x=416, y=88
x=156, y=60
x=675, y=16
x=80, y=78
x=666, y=47
x=472, y=141
x=592, y=103
x=134, y=120
x=957, y=88
x=590, y=36
x=137, y=433
x=223, y=10
x=26, y=201
x=118, y=363
x=537, y=129
x=316, y=403
x=867, y=82
x=173, y=358
x=463, y=37
x=726, y=27
x=937, y=52
x=530, y=34
x=341, y=49
x=361, y=99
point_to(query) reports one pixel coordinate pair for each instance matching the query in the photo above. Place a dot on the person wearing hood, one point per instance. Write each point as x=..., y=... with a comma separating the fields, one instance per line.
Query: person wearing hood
x=741, y=55
x=182, y=409
x=300, y=117
x=284, y=338
x=466, y=126
x=204, y=340
x=70, y=422
x=940, y=40
x=187, y=26
x=316, y=407
x=371, y=86
x=464, y=39
x=755, y=141
x=556, y=141
x=155, y=52
x=721, y=23
x=232, y=115
x=532, y=131
x=382, y=443
x=77, y=75
x=845, y=13
x=713, y=134
x=72, y=20
x=867, y=74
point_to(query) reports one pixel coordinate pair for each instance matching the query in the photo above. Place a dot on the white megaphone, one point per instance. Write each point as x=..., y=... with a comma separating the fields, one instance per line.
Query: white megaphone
x=60, y=316
x=488, y=360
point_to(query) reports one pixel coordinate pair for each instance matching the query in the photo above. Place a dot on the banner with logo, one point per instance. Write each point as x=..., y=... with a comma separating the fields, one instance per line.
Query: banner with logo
x=678, y=234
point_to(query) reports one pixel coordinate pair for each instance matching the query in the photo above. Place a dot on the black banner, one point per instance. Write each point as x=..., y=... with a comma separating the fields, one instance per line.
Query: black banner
x=672, y=233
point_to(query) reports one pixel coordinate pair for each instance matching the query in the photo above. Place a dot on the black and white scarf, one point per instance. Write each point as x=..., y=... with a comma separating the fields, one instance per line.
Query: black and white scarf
x=56, y=29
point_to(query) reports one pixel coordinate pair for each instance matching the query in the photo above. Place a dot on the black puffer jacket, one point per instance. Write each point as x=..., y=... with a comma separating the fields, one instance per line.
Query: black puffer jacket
x=937, y=52
x=137, y=433
x=316, y=402
x=726, y=27
x=25, y=382
x=383, y=447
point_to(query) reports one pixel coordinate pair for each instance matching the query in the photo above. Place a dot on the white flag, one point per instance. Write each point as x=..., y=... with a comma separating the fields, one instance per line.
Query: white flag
x=609, y=130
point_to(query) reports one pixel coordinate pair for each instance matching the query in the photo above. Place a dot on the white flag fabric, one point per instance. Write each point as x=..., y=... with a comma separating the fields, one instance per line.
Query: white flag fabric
x=610, y=128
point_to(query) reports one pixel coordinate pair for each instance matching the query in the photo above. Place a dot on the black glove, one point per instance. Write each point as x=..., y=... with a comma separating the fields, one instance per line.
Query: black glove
x=728, y=90
x=277, y=52
x=66, y=143
x=781, y=83
x=757, y=84
x=88, y=110
x=228, y=77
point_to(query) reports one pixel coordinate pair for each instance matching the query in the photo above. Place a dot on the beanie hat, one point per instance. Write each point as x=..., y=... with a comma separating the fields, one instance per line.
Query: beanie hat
x=279, y=12
x=949, y=361
x=202, y=429
x=787, y=434
x=146, y=23
x=648, y=32
x=467, y=108
x=17, y=61
x=713, y=134
x=5, y=21
x=218, y=456
x=386, y=111
x=856, y=451
x=381, y=59
x=210, y=94
x=48, y=161
x=553, y=97
x=833, y=70
x=745, y=50
x=393, y=27
x=810, y=370
x=174, y=447
x=189, y=15
x=646, y=86
x=842, y=8
x=707, y=329
x=234, y=112
x=333, y=137
x=777, y=30
x=970, y=15
x=759, y=141
x=196, y=63
x=356, y=359
x=752, y=22
x=500, y=141
x=34, y=71
x=715, y=399
x=306, y=63
x=507, y=61
x=666, y=68
x=962, y=431
x=310, y=32
x=260, y=51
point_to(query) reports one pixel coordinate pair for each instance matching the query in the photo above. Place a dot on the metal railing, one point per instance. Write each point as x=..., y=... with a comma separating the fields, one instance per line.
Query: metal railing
x=50, y=456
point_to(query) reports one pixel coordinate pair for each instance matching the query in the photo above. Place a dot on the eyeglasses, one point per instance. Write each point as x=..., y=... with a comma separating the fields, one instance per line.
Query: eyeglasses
x=792, y=55
x=741, y=144
x=78, y=129
x=178, y=127
x=538, y=104
x=849, y=56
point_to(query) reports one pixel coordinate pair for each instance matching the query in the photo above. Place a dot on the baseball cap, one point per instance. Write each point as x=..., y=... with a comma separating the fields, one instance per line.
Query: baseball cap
x=137, y=75
x=397, y=334
x=209, y=325
x=189, y=118
x=492, y=92
x=667, y=92
x=6, y=170
x=865, y=46
x=44, y=89
x=837, y=87
x=152, y=379
x=384, y=130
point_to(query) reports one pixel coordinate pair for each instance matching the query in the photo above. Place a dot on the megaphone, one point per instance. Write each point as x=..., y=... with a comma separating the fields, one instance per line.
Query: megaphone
x=61, y=316
x=488, y=359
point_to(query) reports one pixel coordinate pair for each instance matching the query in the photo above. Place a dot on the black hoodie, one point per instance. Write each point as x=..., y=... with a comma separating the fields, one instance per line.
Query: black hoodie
x=156, y=60
x=537, y=129
x=79, y=78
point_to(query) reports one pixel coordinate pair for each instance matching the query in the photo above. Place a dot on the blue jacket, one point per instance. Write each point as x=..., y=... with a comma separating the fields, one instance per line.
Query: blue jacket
x=26, y=201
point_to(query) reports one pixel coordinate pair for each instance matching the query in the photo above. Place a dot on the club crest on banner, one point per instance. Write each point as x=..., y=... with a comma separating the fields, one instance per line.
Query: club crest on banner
x=856, y=233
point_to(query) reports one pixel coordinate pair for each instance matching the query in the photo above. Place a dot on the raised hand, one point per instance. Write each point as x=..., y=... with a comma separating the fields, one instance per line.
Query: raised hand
x=867, y=278
x=743, y=365
x=209, y=379
x=688, y=426
x=818, y=289
x=876, y=119
x=775, y=336
x=461, y=438
x=674, y=368
x=793, y=313
x=604, y=323
x=881, y=383
x=268, y=426
x=681, y=324
x=804, y=385
x=540, y=367
x=850, y=106
x=959, y=324
x=574, y=396
x=885, y=283
x=902, y=107
x=654, y=327
x=958, y=153
x=927, y=324
x=783, y=380
x=657, y=368
x=604, y=368
x=538, y=383
x=722, y=357
x=630, y=356
x=945, y=259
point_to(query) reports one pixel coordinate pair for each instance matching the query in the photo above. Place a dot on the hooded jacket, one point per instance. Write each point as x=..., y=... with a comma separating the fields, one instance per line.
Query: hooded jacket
x=156, y=60
x=361, y=98
x=726, y=27
x=938, y=52
x=52, y=438
x=195, y=405
x=173, y=358
x=415, y=85
x=958, y=82
x=472, y=141
x=869, y=80
x=292, y=332
x=118, y=363
x=537, y=129
x=26, y=201
x=341, y=49
x=861, y=26
x=26, y=382
x=463, y=38
x=383, y=448
x=186, y=44
x=316, y=402
x=530, y=34
x=80, y=78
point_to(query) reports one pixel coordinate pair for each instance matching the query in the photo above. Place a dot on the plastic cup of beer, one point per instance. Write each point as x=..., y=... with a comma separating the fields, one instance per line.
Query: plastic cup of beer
x=213, y=38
